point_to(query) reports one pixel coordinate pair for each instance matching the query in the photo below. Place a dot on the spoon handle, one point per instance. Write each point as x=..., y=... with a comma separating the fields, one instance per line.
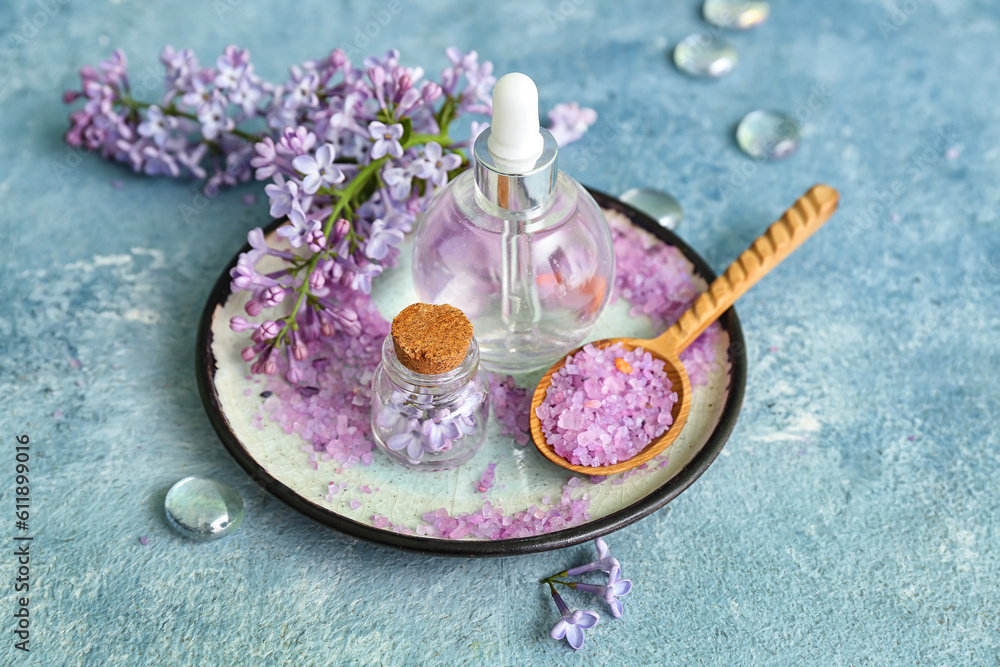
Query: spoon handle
x=795, y=226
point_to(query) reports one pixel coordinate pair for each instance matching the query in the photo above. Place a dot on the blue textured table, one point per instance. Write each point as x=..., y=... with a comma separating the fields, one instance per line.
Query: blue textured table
x=853, y=517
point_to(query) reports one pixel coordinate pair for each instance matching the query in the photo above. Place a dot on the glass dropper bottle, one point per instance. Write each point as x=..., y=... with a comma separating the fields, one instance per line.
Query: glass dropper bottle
x=516, y=244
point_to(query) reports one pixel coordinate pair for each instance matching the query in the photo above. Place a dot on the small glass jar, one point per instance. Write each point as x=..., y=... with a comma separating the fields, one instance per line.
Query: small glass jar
x=429, y=422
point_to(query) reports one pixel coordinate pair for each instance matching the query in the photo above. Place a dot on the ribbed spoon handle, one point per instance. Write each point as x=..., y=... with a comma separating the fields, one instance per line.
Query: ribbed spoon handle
x=795, y=226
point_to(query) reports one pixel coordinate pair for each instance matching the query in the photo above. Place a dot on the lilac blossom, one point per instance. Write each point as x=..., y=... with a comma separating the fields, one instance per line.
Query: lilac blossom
x=214, y=120
x=399, y=180
x=386, y=138
x=381, y=239
x=318, y=171
x=283, y=196
x=362, y=279
x=615, y=588
x=605, y=561
x=303, y=93
x=299, y=227
x=572, y=623
x=440, y=430
x=157, y=126
x=569, y=122
x=411, y=440
x=434, y=166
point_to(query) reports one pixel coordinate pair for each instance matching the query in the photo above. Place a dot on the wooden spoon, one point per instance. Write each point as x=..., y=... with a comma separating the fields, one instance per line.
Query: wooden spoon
x=795, y=226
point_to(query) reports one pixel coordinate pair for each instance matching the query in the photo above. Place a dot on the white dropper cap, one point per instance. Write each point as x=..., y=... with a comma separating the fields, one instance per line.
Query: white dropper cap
x=514, y=136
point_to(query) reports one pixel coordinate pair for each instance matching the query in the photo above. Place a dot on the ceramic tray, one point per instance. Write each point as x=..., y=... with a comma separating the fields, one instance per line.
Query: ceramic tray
x=523, y=478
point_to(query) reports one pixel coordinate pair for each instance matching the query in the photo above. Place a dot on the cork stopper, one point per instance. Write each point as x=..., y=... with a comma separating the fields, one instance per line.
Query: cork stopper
x=431, y=339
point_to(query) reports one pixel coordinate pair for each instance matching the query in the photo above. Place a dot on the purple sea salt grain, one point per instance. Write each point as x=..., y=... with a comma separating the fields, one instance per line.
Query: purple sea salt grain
x=330, y=408
x=661, y=283
x=486, y=480
x=355, y=504
x=143, y=540
x=596, y=414
x=511, y=405
x=490, y=521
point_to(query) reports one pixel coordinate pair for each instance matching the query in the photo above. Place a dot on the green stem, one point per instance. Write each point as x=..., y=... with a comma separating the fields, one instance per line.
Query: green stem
x=174, y=111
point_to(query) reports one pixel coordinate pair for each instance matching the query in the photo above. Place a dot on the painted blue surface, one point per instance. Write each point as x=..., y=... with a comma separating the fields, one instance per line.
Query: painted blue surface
x=823, y=535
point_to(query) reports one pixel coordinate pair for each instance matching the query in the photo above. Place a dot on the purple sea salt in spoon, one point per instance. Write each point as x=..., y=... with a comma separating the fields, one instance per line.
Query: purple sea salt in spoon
x=795, y=226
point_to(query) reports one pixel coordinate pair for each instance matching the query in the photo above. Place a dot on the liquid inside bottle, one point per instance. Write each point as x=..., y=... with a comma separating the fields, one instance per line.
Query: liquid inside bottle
x=533, y=283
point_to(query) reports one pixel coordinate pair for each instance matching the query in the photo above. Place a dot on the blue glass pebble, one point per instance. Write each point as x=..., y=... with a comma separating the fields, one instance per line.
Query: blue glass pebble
x=768, y=135
x=657, y=204
x=204, y=509
x=703, y=54
x=736, y=14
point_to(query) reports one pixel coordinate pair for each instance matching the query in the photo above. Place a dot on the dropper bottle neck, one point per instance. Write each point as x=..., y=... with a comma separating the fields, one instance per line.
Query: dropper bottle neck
x=513, y=190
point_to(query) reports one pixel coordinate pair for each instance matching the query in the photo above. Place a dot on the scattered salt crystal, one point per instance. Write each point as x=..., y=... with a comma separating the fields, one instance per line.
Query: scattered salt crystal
x=486, y=479
x=491, y=523
x=355, y=504
x=143, y=540
x=74, y=364
x=249, y=199
x=364, y=488
x=58, y=414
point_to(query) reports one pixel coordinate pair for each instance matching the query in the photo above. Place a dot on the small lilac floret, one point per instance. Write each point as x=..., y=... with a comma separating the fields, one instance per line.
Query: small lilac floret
x=605, y=561
x=572, y=623
x=386, y=138
x=434, y=166
x=298, y=228
x=318, y=171
x=615, y=588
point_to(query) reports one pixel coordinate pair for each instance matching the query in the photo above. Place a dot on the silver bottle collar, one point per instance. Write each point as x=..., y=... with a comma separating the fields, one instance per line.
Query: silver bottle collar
x=523, y=192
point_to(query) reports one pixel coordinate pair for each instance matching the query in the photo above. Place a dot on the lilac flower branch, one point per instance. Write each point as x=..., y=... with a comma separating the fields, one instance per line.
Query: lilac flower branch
x=353, y=155
x=348, y=194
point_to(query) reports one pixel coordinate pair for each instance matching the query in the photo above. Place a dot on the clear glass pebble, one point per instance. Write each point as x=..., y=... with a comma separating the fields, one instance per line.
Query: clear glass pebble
x=703, y=54
x=736, y=14
x=657, y=204
x=768, y=135
x=204, y=509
